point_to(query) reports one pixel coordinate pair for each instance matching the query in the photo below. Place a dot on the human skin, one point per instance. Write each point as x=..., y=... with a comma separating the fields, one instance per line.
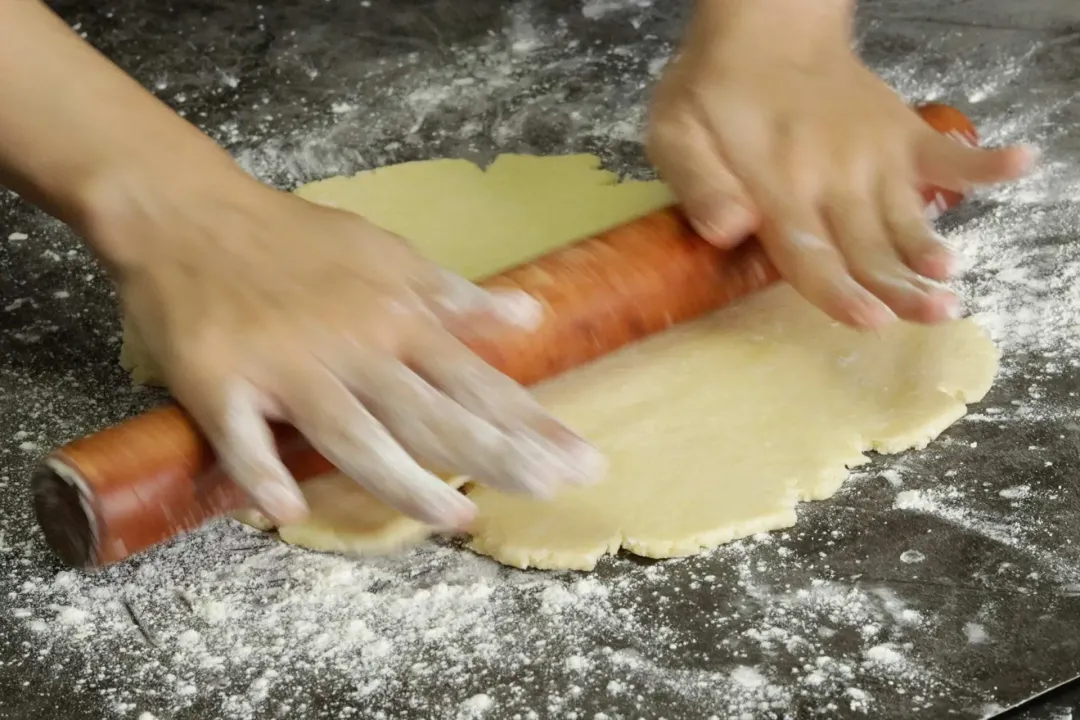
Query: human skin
x=768, y=123
x=259, y=305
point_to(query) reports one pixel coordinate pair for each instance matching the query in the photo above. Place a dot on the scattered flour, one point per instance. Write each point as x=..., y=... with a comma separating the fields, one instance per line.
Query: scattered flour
x=1016, y=493
x=976, y=634
x=235, y=615
x=748, y=677
x=893, y=477
x=477, y=705
x=232, y=618
x=595, y=9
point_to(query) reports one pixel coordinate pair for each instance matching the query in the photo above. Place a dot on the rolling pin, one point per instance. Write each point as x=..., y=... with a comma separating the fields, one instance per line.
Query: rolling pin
x=105, y=497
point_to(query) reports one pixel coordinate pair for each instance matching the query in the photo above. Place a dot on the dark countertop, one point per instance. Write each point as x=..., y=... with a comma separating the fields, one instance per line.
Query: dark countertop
x=937, y=584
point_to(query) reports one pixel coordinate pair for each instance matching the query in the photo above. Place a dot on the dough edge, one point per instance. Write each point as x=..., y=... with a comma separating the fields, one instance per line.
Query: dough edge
x=135, y=359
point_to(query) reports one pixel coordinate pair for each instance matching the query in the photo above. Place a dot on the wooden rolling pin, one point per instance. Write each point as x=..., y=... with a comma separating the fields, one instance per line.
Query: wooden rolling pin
x=108, y=496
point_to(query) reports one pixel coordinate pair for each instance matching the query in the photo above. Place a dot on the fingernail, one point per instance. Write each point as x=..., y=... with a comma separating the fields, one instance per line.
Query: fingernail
x=518, y=308
x=548, y=464
x=432, y=504
x=590, y=464
x=725, y=224
x=542, y=470
x=284, y=503
x=870, y=318
x=587, y=463
x=583, y=461
x=459, y=513
x=1032, y=155
x=806, y=240
x=867, y=311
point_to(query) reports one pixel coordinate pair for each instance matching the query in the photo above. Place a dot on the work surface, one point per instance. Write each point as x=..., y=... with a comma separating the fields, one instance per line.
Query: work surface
x=942, y=583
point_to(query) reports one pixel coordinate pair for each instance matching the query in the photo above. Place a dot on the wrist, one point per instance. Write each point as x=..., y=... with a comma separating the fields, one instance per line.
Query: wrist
x=800, y=28
x=126, y=209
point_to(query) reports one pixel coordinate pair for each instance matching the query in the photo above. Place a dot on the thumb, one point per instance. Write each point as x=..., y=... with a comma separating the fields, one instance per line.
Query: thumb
x=955, y=164
x=712, y=197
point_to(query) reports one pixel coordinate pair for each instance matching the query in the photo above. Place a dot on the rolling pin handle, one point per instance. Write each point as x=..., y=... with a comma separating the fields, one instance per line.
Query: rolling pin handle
x=62, y=508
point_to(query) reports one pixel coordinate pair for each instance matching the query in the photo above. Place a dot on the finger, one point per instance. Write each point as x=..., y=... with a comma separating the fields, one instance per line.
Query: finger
x=450, y=366
x=952, y=162
x=862, y=237
x=234, y=422
x=469, y=309
x=445, y=435
x=923, y=250
x=344, y=432
x=712, y=197
x=797, y=241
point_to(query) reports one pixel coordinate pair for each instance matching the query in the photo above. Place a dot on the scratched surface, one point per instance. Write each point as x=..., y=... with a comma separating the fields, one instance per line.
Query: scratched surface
x=309, y=88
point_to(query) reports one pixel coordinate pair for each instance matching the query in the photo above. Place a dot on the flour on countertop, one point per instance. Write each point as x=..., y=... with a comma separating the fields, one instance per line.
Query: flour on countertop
x=234, y=613
x=532, y=88
x=789, y=624
x=594, y=9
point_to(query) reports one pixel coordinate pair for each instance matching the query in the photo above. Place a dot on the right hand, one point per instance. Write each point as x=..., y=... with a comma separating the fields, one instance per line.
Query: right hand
x=260, y=305
x=767, y=123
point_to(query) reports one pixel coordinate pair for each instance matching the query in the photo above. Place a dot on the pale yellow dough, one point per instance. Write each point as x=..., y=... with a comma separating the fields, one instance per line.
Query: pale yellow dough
x=715, y=429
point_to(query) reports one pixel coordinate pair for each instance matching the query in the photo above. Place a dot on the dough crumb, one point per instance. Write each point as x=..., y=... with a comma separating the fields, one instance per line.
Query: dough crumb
x=884, y=654
x=1016, y=493
x=911, y=557
x=976, y=633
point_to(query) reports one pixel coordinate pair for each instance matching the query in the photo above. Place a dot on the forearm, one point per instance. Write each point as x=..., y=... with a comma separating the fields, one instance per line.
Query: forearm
x=798, y=26
x=76, y=133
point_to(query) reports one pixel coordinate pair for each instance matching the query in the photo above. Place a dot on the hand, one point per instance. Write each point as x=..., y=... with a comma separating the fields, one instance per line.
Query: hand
x=768, y=123
x=258, y=304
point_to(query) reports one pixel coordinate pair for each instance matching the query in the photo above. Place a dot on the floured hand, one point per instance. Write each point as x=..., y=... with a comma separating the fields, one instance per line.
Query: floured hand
x=260, y=305
x=768, y=123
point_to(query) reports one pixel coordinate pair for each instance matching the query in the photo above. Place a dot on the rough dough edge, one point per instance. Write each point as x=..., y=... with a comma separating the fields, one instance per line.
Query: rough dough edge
x=399, y=535
x=587, y=560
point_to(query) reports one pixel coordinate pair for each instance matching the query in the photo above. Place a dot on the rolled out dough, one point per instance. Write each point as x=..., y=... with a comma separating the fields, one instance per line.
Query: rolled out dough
x=715, y=429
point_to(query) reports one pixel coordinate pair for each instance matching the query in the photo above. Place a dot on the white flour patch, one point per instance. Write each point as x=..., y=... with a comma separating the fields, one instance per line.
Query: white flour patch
x=911, y=557
x=1018, y=492
x=595, y=9
x=976, y=634
x=893, y=476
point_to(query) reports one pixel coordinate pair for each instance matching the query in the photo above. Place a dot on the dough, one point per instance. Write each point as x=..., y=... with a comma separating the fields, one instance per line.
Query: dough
x=715, y=429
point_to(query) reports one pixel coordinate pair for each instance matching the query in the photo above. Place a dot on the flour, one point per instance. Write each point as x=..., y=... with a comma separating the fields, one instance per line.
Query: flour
x=912, y=556
x=798, y=623
x=595, y=9
x=976, y=634
x=1018, y=492
x=529, y=88
x=235, y=614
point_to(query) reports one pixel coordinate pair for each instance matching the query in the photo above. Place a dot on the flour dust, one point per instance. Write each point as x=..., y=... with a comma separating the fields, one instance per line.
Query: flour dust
x=800, y=624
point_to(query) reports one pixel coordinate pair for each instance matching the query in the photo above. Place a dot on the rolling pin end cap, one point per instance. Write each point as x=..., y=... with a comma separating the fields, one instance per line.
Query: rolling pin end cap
x=61, y=513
